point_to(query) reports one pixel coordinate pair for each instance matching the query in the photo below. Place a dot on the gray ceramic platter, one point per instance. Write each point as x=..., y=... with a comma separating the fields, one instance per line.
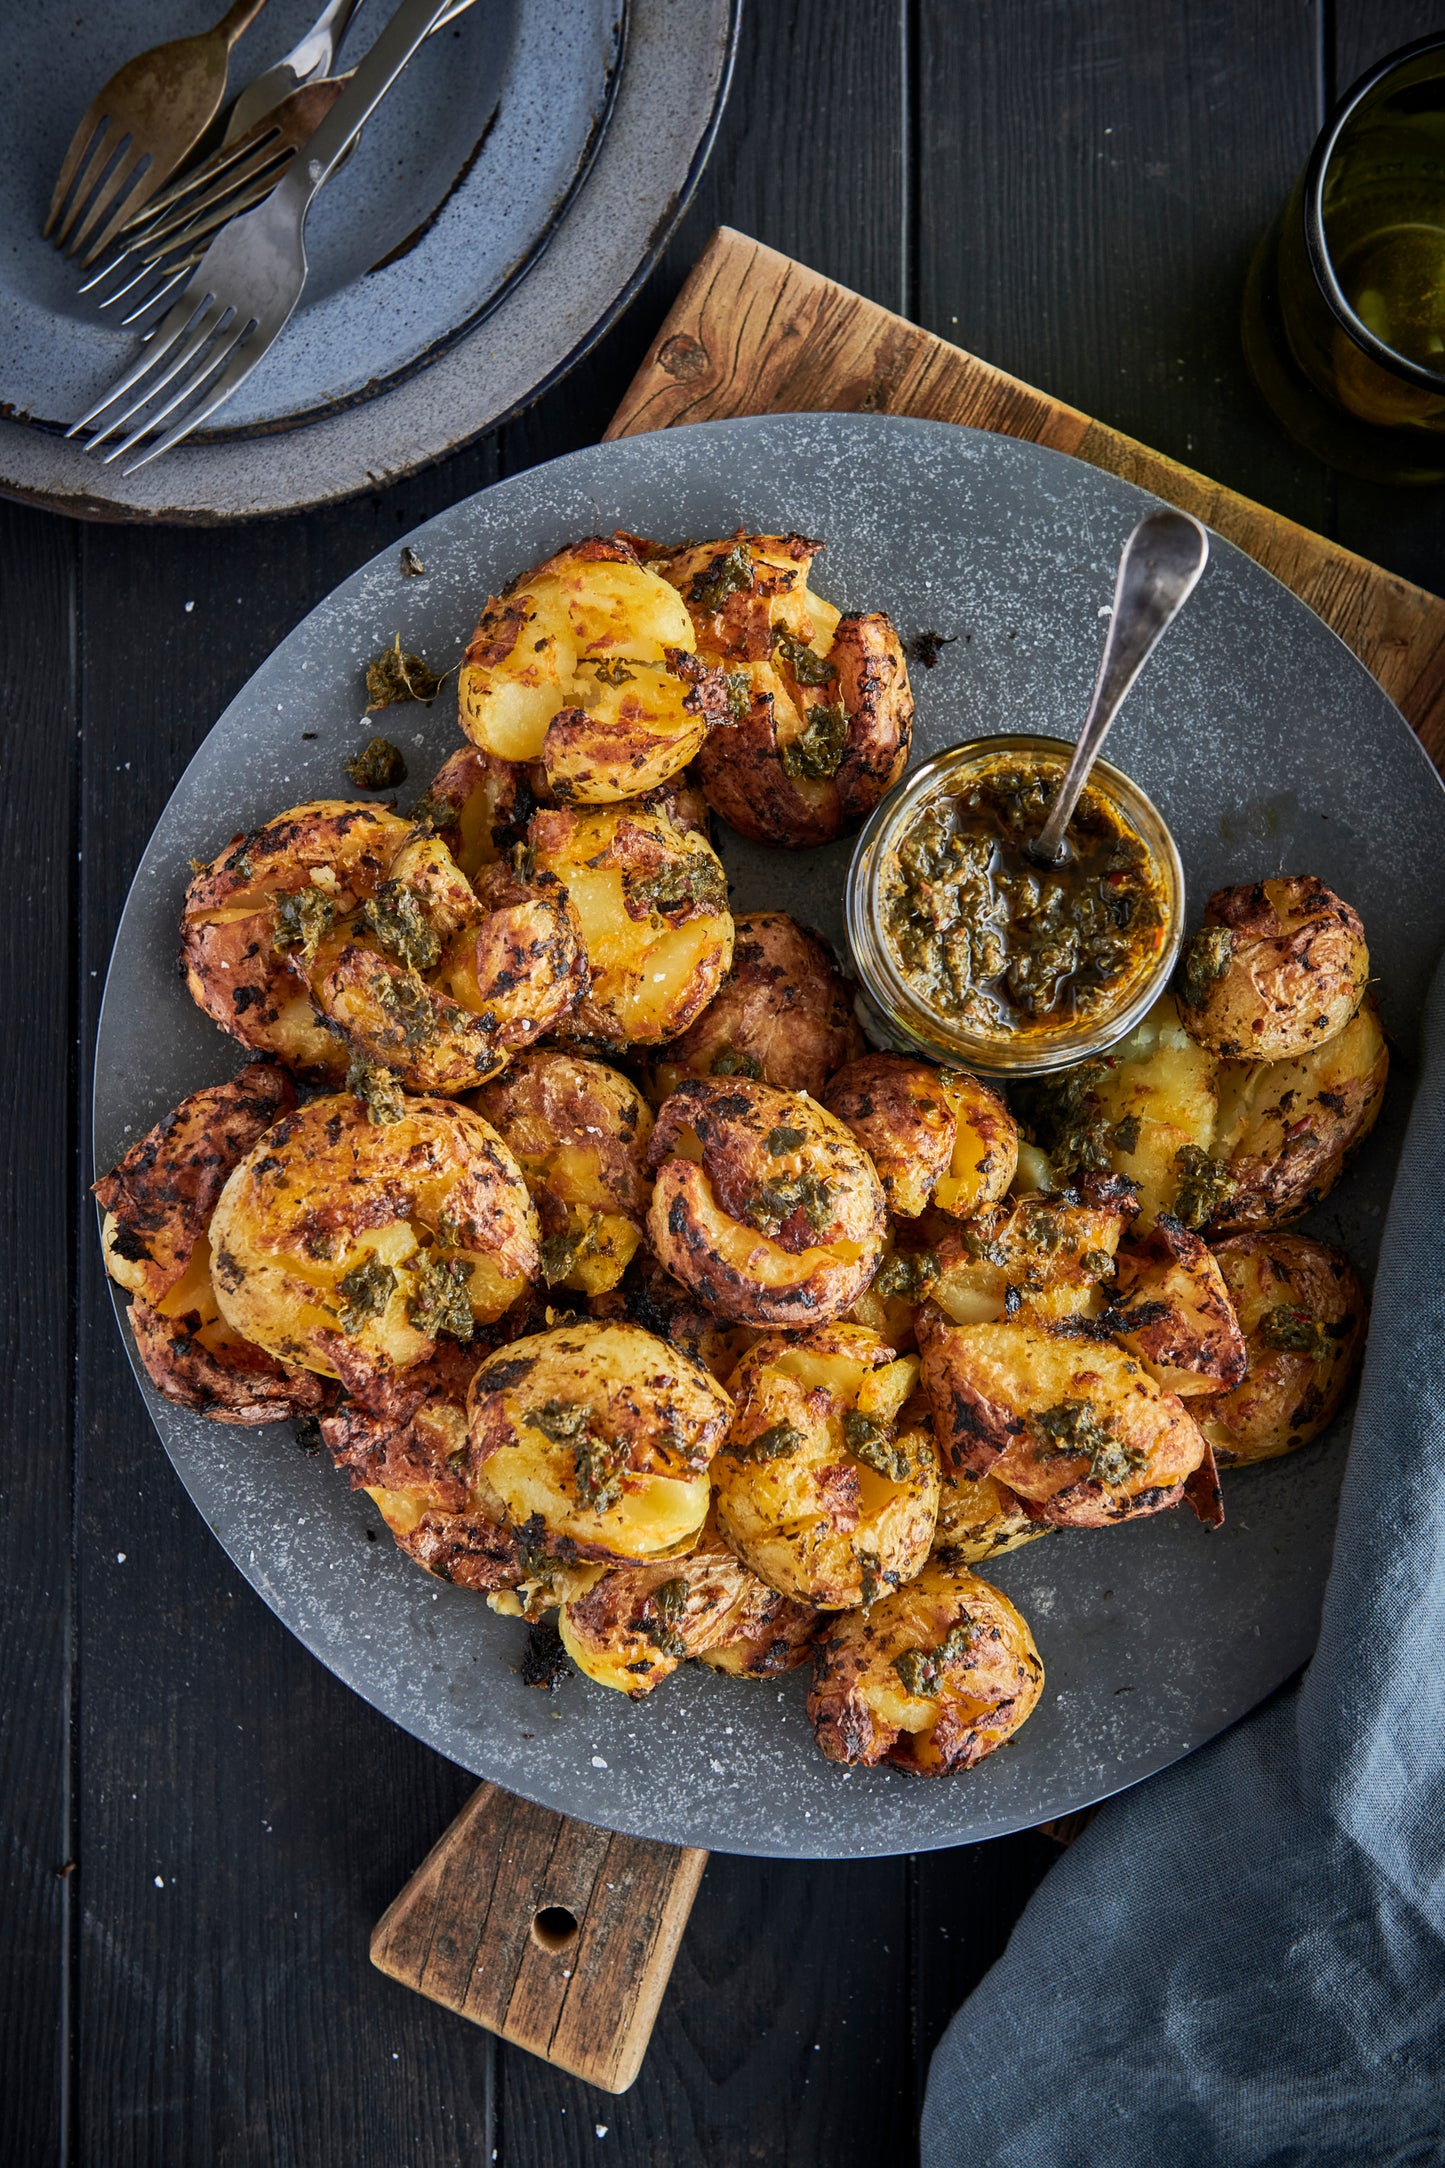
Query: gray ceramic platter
x=503, y=205
x=1266, y=745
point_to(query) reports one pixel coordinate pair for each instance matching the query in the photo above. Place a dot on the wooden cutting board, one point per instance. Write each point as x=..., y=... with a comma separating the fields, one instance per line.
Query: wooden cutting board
x=555, y=1935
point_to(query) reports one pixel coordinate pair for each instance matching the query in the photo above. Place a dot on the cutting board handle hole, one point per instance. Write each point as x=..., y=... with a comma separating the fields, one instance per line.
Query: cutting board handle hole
x=553, y=1928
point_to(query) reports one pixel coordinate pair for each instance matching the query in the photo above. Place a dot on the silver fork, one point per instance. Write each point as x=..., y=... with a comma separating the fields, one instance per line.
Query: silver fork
x=244, y=289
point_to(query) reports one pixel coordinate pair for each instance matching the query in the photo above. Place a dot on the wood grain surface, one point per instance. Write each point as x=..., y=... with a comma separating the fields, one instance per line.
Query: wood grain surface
x=1079, y=183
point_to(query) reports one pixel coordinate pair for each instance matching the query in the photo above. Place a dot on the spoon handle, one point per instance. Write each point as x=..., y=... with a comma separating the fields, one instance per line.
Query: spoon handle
x=1158, y=572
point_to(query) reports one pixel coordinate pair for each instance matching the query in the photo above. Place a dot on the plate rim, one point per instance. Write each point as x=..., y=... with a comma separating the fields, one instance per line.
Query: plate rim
x=539, y=1790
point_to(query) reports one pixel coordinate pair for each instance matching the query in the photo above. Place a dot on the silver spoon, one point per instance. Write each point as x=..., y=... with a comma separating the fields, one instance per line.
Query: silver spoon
x=1158, y=572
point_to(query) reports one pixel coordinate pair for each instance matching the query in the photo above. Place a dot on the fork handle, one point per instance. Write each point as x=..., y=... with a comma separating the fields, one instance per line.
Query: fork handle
x=373, y=77
x=238, y=18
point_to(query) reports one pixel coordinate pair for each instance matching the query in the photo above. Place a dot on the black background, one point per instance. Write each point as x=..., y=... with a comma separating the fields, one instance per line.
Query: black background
x=200, y=1824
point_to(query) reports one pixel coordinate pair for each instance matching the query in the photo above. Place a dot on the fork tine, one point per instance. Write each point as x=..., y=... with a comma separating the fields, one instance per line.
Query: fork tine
x=212, y=210
x=67, y=208
x=154, y=300
x=108, y=208
x=244, y=354
x=233, y=162
x=171, y=328
x=91, y=127
x=203, y=330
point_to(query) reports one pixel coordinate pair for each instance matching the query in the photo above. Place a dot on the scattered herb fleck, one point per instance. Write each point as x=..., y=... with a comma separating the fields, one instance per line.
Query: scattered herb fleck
x=378, y=766
x=598, y=1463
x=784, y=1194
x=393, y=677
x=669, y=1606
x=874, y=1444
x=818, y=752
x=438, y=1302
x=411, y=564
x=378, y=1089
x=394, y=916
x=927, y=647
x=365, y=1292
x=739, y=693
x=692, y=884
x=807, y=667
x=775, y=1443
x=1124, y=1136
x=731, y=1063
x=1207, y=956
x=560, y=1252
x=907, y=1275
x=921, y=1670
x=1297, y=1332
x=1204, y=1185
x=1071, y=1430
x=783, y=1139
x=302, y=918
x=408, y=1001
x=724, y=575
x=545, y=1663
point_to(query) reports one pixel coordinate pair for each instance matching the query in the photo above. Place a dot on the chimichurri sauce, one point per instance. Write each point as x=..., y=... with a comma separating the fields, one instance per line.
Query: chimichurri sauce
x=987, y=937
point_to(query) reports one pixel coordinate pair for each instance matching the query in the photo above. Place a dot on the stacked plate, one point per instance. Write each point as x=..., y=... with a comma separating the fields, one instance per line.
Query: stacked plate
x=500, y=210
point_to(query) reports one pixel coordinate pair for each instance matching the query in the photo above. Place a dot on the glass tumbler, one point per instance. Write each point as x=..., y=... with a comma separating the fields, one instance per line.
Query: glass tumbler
x=1344, y=307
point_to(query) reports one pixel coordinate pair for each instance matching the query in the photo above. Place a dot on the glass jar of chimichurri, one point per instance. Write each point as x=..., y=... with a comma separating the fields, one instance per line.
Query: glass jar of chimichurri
x=970, y=951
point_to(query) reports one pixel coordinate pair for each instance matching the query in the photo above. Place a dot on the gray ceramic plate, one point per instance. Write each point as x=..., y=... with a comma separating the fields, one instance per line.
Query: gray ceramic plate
x=1266, y=745
x=504, y=226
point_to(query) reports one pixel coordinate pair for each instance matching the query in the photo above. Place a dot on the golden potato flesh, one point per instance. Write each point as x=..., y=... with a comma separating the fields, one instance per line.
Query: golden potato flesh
x=158, y=1204
x=1078, y=1429
x=784, y=1014
x=587, y=665
x=480, y=805
x=1177, y=1314
x=1278, y=967
x=1038, y=1255
x=936, y=1136
x=1287, y=1128
x=819, y=1489
x=252, y=920
x=764, y=1205
x=931, y=1679
x=603, y=1434
x=579, y=1133
x=636, y=1624
x=650, y=900
x=978, y=1519
x=829, y=715
x=350, y=1248
x=1303, y=1312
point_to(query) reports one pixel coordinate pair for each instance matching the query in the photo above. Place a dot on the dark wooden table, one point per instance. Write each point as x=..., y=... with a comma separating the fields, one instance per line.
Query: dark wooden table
x=200, y=1824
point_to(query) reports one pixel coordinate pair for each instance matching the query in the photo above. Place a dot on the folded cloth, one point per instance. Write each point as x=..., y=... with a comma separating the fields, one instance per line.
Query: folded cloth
x=1244, y=1959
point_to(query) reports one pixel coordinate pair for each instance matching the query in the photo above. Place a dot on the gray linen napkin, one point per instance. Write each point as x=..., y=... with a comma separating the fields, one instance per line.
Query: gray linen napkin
x=1244, y=1960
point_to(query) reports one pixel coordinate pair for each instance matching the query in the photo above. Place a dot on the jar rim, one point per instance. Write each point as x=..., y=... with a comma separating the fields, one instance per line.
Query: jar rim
x=888, y=992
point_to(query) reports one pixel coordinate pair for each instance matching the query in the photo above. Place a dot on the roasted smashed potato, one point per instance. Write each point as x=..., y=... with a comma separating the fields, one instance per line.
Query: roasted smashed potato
x=1286, y=1129
x=936, y=1136
x=822, y=705
x=650, y=899
x=350, y=1248
x=978, y=1519
x=1277, y=968
x=763, y=1204
x=588, y=666
x=784, y=1014
x=931, y=1679
x=649, y=1296
x=1303, y=1313
x=1177, y=1316
x=636, y=1624
x=599, y=1436
x=1076, y=1428
x=578, y=1131
x=1038, y=1255
x=158, y=1205
x=818, y=1488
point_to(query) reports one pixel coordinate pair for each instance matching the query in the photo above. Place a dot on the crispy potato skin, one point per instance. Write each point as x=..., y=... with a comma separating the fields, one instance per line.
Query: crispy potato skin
x=159, y=1200
x=325, y=1195
x=158, y=1204
x=1286, y=970
x=985, y=1382
x=635, y=1625
x=978, y=1519
x=706, y=1213
x=480, y=805
x=650, y=903
x=784, y=1013
x=817, y=1522
x=587, y=666
x=1187, y=1333
x=649, y=1416
x=1287, y=1395
x=936, y=1136
x=861, y=1710
x=1286, y=1129
x=233, y=969
x=579, y=1132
